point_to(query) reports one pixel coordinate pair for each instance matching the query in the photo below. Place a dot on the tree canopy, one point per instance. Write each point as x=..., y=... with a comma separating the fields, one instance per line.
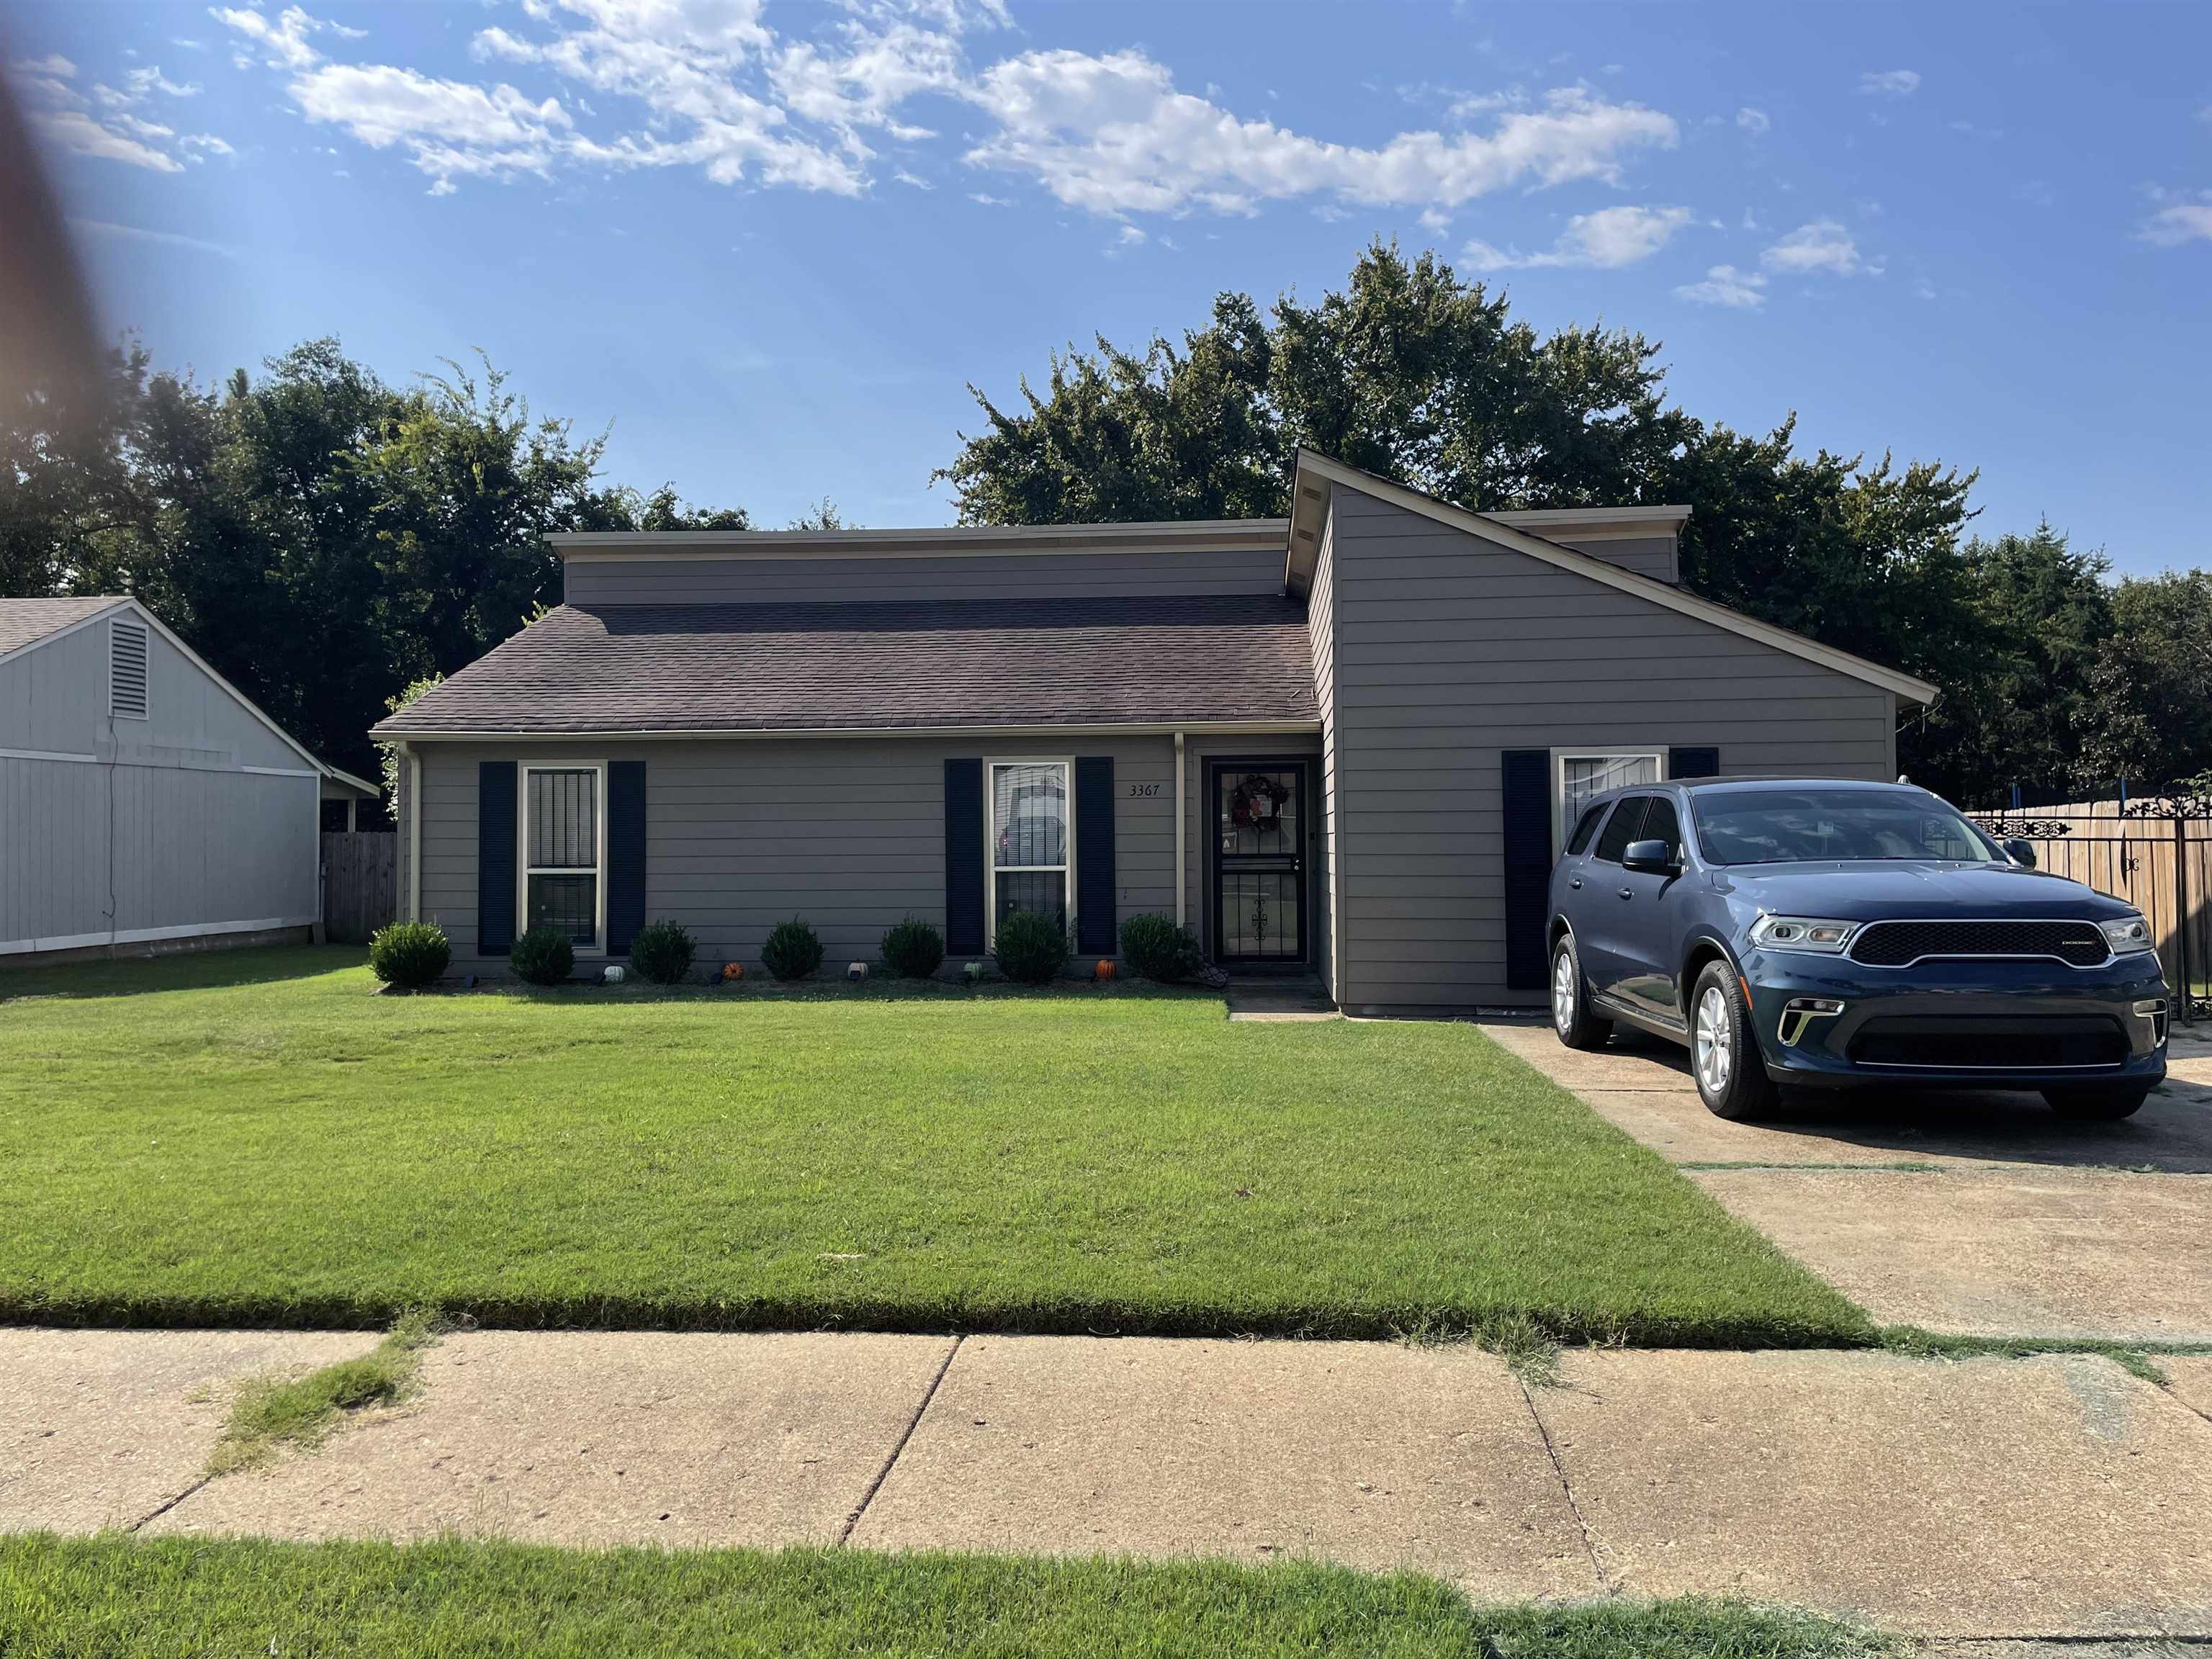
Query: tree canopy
x=322, y=538
x=1416, y=375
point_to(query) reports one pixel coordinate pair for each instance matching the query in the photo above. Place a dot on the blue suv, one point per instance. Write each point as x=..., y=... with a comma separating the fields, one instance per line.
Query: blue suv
x=1815, y=931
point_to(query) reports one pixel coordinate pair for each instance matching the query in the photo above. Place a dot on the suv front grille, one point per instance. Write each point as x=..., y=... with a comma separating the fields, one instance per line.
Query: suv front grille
x=2017, y=1044
x=1900, y=944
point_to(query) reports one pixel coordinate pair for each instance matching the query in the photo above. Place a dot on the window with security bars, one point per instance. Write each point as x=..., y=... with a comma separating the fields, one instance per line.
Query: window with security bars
x=1029, y=839
x=561, y=844
x=126, y=670
x=1583, y=777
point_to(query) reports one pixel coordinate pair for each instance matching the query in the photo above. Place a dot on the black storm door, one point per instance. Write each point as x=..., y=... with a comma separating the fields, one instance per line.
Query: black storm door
x=1259, y=823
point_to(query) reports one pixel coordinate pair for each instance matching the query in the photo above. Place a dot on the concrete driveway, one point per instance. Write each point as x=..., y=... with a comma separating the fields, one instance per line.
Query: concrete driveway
x=1981, y=1214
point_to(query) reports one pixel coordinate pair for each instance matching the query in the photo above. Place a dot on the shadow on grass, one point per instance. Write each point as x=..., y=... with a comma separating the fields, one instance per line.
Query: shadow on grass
x=197, y=971
x=755, y=988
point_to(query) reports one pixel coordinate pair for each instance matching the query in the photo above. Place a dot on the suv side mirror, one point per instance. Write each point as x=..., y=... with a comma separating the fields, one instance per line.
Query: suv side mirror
x=2021, y=852
x=1651, y=858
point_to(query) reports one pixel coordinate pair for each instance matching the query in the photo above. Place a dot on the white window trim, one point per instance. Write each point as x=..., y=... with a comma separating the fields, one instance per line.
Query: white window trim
x=992, y=868
x=1560, y=828
x=523, y=870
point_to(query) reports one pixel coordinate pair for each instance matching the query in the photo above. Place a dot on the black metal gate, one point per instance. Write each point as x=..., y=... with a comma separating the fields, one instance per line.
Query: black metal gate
x=2152, y=847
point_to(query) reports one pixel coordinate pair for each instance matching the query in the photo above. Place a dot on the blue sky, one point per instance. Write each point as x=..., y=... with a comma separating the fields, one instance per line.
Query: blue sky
x=772, y=243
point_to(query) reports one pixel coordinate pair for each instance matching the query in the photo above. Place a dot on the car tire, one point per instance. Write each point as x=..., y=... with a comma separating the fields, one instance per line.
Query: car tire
x=2106, y=1104
x=1724, y=1056
x=1572, y=1021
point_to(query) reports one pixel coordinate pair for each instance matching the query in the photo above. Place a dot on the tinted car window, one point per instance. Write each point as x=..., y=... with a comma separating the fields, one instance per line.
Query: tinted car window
x=1660, y=823
x=1623, y=827
x=1584, y=830
x=1794, y=826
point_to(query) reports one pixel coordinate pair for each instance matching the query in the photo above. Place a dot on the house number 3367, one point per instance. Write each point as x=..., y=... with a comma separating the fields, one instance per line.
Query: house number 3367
x=1143, y=791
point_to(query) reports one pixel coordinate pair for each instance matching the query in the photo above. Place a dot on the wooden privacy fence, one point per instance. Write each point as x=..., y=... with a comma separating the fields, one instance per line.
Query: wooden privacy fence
x=2160, y=864
x=360, y=886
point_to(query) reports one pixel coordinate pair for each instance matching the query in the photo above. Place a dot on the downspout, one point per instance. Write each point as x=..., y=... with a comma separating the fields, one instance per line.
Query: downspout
x=1181, y=875
x=414, y=831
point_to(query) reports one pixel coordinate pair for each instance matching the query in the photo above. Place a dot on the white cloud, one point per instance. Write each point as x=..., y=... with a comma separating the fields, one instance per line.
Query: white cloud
x=2178, y=221
x=1112, y=135
x=114, y=130
x=1724, y=285
x=905, y=178
x=449, y=128
x=983, y=199
x=1752, y=121
x=99, y=227
x=714, y=85
x=1605, y=240
x=1823, y=244
x=281, y=44
x=1434, y=219
x=1889, y=83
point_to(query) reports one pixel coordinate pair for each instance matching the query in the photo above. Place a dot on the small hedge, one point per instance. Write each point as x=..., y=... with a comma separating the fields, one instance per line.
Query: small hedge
x=663, y=952
x=791, y=951
x=1030, y=948
x=1159, y=948
x=410, y=954
x=543, y=955
x=914, y=949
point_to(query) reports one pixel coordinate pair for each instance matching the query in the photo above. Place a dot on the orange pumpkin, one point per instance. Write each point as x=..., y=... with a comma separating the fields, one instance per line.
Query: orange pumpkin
x=1105, y=970
x=733, y=970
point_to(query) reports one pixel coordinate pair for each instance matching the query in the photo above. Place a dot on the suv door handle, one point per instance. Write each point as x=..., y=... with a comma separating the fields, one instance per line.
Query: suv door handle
x=1627, y=892
x=1575, y=882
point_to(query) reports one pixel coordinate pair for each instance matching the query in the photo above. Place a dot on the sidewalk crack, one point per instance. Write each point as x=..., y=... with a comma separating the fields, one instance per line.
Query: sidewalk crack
x=853, y=1520
x=1559, y=1472
x=155, y=1514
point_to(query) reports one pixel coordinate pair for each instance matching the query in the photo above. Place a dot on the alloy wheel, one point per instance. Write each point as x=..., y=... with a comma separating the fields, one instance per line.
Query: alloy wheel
x=1713, y=1047
x=1563, y=992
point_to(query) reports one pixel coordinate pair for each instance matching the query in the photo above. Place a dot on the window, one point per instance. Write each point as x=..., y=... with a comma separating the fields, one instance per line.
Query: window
x=126, y=670
x=1578, y=773
x=1627, y=825
x=1661, y=824
x=1800, y=826
x=564, y=852
x=1584, y=830
x=1030, y=837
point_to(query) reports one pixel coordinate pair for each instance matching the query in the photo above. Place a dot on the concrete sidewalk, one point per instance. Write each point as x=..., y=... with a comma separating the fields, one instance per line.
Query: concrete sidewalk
x=2056, y=1497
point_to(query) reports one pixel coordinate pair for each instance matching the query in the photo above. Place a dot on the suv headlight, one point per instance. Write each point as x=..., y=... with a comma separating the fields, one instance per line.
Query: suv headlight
x=1813, y=934
x=2128, y=934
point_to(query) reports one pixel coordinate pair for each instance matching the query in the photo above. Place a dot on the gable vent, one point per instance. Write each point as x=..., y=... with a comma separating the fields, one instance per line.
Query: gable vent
x=126, y=670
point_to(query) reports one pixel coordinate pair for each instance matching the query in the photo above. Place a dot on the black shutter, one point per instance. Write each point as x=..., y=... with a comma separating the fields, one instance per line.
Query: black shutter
x=1095, y=920
x=1525, y=775
x=963, y=857
x=495, y=858
x=1694, y=762
x=625, y=854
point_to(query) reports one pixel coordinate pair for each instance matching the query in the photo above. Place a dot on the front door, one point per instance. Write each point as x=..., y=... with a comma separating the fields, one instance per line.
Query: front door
x=1258, y=862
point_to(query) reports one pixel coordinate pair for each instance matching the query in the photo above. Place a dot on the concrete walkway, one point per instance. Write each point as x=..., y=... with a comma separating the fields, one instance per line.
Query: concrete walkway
x=2048, y=1497
x=1977, y=1213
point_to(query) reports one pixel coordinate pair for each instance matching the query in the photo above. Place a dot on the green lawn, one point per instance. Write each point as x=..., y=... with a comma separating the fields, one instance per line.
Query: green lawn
x=245, y=1599
x=261, y=1138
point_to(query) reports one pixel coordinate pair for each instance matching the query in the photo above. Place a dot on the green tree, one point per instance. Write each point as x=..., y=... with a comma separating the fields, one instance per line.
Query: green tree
x=2149, y=713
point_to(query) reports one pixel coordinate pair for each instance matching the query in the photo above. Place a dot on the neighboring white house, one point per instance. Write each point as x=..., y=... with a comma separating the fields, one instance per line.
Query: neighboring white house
x=145, y=804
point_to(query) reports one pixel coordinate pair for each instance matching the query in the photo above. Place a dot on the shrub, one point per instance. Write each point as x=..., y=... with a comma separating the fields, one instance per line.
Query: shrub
x=663, y=952
x=792, y=951
x=543, y=955
x=914, y=949
x=410, y=954
x=1161, y=949
x=1030, y=948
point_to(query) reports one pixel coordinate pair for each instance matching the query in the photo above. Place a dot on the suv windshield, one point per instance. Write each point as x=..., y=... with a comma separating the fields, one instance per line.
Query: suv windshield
x=1793, y=826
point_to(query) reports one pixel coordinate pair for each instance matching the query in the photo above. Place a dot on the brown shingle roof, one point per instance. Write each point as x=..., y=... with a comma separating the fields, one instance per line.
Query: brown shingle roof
x=23, y=621
x=809, y=667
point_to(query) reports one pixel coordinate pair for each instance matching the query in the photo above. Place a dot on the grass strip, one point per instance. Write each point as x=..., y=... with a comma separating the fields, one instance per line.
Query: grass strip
x=245, y=1599
x=301, y=1410
x=1120, y=1162
x=2139, y=1358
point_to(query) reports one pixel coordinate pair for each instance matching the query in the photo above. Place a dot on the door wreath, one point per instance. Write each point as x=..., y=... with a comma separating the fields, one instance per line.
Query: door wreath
x=1257, y=803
